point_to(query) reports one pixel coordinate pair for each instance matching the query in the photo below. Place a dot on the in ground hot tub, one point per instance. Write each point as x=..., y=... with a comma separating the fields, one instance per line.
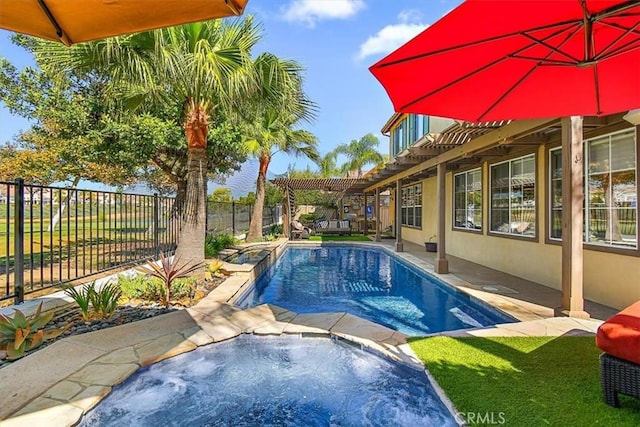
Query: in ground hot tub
x=274, y=381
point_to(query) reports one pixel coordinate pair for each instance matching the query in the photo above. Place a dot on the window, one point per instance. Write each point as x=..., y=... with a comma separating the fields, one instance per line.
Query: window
x=467, y=209
x=513, y=197
x=611, y=191
x=411, y=129
x=555, y=193
x=611, y=194
x=411, y=209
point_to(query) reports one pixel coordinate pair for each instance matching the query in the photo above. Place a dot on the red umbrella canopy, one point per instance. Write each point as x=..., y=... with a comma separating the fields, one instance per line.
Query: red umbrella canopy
x=520, y=59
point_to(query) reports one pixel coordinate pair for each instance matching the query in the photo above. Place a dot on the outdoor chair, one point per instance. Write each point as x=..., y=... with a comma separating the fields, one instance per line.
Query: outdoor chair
x=619, y=338
x=299, y=231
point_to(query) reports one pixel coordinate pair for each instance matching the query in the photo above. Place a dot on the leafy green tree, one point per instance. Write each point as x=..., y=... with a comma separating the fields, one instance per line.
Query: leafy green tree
x=360, y=153
x=203, y=67
x=63, y=143
x=221, y=194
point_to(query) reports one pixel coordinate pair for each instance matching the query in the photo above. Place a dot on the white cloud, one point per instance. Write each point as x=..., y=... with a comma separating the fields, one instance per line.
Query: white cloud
x=308, y=12
x=393, y=36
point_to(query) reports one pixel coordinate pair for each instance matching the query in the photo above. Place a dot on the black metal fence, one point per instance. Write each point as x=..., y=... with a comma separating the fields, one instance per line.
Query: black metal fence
x=234, y=218
x=51, y=235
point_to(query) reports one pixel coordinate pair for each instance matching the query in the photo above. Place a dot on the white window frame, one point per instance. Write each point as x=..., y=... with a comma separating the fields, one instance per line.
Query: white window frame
x=513, y=227
x=467, y=214
x=586, y=210
x=411, y=207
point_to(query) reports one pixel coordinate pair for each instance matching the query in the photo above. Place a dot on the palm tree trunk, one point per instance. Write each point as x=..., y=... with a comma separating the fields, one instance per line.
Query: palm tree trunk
x=193, y=216
x=255, y=228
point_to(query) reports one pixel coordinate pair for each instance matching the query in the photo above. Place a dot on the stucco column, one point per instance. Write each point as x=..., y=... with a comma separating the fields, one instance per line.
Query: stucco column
x=366, y=223
x=572, y=219
x=398, y=221
x=441, y=265
x=376, y=212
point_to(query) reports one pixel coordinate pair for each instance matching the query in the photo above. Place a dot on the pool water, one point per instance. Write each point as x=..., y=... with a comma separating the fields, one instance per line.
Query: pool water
x=273, y=381
x=368, y=283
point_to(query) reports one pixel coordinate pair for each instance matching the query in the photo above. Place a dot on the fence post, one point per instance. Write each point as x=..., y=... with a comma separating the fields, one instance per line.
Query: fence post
x=233, y=218
x=18, y=248
x=156, y=226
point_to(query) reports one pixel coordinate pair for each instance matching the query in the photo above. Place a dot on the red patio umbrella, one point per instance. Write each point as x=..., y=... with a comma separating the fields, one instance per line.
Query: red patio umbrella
x=520, y=59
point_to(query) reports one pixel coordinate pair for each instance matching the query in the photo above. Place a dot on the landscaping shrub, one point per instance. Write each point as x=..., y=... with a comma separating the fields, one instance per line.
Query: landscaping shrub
x=168, y=271
x=310, y=218
x=214, y=244
x=148, y=288
x=276, y=229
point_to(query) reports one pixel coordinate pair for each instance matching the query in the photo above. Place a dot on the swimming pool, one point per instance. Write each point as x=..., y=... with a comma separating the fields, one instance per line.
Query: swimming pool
x=274, y=381
x=369, y=283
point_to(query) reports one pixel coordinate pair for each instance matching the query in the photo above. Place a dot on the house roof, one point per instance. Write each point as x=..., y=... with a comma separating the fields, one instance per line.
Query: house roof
x=467, y=144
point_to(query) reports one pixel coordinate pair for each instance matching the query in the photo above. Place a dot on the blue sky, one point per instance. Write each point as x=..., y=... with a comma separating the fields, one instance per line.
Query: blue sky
x=336, y=41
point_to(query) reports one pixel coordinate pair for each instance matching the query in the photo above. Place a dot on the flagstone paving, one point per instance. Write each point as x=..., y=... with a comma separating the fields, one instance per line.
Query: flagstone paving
x=56, y=385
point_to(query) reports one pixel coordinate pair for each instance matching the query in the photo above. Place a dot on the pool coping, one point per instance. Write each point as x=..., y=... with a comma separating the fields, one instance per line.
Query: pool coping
x=58, y=384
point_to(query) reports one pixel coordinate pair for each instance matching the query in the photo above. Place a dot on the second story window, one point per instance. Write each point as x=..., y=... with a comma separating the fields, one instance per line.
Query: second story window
x=409, y=130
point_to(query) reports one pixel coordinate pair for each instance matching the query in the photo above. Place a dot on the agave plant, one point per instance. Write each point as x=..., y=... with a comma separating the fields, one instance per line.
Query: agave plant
x=168, y=271
x=20, y=333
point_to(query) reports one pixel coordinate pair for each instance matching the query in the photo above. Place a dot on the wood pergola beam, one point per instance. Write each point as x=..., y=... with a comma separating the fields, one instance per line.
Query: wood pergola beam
x=483, y=142
x=426, y=151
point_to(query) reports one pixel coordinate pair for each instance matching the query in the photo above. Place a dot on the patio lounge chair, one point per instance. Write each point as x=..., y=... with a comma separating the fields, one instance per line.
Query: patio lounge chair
x=619, y=338
x=299, y=231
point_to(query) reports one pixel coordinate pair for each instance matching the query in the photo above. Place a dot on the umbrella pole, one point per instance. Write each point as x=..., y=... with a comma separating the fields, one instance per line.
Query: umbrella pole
x=572, y=219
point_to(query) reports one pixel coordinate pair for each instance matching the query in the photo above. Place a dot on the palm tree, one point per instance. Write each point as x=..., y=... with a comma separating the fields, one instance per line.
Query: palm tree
x=204, y=67
x=274, y=134
x=327, y=164
x=359, y=153
x=272, y=115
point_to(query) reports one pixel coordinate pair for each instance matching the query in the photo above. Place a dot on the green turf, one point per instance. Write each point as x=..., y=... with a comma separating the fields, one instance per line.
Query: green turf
x=355, y=238
x=524, y=381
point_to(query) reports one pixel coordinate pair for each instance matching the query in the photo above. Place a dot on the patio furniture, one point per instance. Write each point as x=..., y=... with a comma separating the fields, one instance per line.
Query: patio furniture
x=299, y=231
x=619, y=338
x=333, y=226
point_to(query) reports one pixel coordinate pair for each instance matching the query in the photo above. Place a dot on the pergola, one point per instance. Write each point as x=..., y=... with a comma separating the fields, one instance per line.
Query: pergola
x=341, y=186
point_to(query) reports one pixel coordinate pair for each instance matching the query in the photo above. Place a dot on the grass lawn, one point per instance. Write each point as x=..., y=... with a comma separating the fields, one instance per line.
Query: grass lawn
x=356, y=238
x=529, y=381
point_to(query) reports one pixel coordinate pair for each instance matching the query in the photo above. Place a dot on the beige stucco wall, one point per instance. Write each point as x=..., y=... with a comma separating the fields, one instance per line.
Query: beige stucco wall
x=610, y=279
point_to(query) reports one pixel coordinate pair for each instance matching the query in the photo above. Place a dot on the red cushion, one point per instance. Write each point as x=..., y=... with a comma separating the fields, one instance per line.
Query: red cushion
x=620, y=335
